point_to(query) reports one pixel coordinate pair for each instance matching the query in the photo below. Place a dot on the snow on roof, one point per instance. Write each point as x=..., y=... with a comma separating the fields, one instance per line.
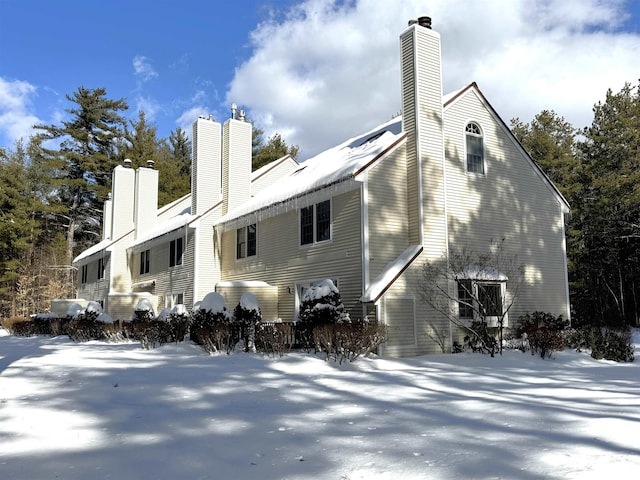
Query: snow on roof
x=332, y=166
x=390, y=273
x=94, y=249
x=171, y=224
x=243, y=283
x=477, y=272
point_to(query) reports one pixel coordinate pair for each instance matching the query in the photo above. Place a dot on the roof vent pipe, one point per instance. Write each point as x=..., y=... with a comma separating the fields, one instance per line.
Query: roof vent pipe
x=211, y=117
x=234, y=109
x=242, y=116
x=413, y=21
x=150, y=163
x=425, y=22
x=127, y=163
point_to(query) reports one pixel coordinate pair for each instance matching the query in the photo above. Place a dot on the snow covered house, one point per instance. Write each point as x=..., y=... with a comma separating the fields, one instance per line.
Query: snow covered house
x=366, y=214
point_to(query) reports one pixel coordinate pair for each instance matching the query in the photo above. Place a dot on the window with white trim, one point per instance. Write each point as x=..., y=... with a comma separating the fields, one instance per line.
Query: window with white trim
x=315, y=223
x=475, y=148
x=175, y=252
x=480, y=299
x=145, y=257
x=246, y=241
x=173, y=299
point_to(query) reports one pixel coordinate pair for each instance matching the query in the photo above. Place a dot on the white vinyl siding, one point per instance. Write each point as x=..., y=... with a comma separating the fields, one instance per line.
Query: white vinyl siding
x=282, y=263
x=512, y=202
x=387, y=211
x=400, y=317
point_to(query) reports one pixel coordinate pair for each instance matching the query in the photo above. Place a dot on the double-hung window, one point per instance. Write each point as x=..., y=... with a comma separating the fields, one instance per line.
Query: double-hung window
x=144, y=261
x=490, y=299
x=475, y=149
x=315, y=223
x=175, y=252
x=465, y=298
x=480, y=299
x=246, y=241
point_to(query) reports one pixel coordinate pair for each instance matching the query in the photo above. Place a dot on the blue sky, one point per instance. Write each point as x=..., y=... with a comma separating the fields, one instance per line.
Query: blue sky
x=316, y=71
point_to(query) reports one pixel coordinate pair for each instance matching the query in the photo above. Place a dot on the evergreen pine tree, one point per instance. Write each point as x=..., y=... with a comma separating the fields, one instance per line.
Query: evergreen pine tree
x=80, y=164
x=274, y=148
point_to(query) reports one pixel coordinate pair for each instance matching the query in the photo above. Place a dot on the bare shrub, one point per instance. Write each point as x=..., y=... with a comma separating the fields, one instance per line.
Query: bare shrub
x=19, y=326
x=348, y=341
x=275, y=338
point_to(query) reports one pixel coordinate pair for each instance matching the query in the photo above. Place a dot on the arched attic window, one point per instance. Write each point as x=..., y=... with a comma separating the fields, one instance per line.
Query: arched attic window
x=475, y=148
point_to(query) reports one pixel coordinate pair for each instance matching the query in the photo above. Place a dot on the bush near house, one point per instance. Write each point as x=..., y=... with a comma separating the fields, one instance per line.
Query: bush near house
x=246, y=316
x=542, y=333
x=320, y=308
x=211, y=326
x=605, y=343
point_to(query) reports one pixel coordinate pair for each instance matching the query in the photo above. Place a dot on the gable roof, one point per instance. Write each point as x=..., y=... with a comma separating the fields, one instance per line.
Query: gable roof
x=451, y=99
x=331, y=167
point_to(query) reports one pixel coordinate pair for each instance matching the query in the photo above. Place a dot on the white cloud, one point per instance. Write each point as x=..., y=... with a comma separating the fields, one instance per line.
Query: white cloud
x=326, y=70
x=149, y=106
x=16, y=119
x=143, y=69
x=185, y=121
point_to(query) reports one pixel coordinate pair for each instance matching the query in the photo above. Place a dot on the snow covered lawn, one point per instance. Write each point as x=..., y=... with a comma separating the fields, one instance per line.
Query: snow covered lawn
x=99, y=410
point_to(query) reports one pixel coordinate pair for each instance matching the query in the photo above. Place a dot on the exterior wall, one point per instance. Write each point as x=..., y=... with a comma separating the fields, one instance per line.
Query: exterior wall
x=511, y=202
x=267, y=297
x=123, y=305
x=174, y=208
x=167, y=280
x=388, y=211
x=207, y=267
x=431, y=332
x=119, y=274
x=282, y=262
x=59, y=307
x=95, y=289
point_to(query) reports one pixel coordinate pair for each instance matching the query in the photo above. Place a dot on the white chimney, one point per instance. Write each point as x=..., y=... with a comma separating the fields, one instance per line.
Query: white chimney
x=106, y=218
x=422, y=120
x=206, y=166
x=146, y=200
x=236, y=162
x=122, y=190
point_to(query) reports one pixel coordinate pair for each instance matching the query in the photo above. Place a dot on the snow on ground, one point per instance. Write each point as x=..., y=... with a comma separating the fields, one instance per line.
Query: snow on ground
x=98, y=410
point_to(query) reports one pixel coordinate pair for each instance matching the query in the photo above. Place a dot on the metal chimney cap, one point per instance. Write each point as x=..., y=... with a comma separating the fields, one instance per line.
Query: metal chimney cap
x=424, y=22
x=150, y=163
x=127, y=163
